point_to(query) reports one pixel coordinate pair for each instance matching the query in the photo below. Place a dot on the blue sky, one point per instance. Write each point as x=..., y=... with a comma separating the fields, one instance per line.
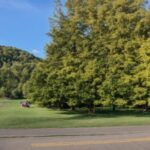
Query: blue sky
x=24, y=24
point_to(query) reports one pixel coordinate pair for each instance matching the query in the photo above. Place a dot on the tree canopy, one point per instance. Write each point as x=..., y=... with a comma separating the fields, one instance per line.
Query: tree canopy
x=99, y=56
x=16, y=67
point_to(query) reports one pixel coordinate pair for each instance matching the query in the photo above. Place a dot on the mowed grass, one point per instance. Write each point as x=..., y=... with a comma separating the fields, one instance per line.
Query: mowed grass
x=12, y=115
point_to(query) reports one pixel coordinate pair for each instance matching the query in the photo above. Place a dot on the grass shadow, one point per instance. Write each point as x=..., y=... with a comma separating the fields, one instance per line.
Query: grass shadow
x=102, y=113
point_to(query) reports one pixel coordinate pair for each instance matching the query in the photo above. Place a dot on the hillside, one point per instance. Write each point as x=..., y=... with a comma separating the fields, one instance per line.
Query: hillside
x=16, y=67
x=10, y=55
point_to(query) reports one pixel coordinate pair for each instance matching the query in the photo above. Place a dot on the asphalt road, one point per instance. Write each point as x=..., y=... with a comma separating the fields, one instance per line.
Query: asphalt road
x=114, y=138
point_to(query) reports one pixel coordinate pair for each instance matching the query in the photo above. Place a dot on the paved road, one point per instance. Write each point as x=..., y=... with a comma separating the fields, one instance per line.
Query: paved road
x=114, y=138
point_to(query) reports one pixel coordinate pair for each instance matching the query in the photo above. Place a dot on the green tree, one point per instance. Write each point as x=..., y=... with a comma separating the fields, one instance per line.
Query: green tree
x=95, y=55
x=16, y=67
x=142, y=76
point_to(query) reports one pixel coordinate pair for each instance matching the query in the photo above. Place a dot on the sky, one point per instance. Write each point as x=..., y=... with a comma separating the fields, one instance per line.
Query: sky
x=24, y=24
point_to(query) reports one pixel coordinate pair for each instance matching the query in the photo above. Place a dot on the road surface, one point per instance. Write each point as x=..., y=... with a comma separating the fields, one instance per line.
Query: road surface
x=109, y=138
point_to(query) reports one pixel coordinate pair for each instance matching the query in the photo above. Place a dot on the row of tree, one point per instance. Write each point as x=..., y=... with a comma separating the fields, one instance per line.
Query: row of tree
x=99, y=56
x=16, y=67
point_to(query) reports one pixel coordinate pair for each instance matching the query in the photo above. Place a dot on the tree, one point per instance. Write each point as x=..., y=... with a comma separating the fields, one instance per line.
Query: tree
x=16, y=67
x=94, y=54
x=142, y=77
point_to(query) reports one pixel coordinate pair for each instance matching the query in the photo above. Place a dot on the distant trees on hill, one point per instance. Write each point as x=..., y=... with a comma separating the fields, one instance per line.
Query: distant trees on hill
x=16, y=67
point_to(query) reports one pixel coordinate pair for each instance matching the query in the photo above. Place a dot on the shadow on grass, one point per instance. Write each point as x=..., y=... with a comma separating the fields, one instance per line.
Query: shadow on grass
x=104, y=113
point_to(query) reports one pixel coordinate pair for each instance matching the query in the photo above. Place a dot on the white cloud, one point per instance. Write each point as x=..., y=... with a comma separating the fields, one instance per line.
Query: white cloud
x=36, y=52
x=18, y=5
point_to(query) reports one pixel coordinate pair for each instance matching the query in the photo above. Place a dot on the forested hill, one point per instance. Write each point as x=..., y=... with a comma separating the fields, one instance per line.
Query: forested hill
x=10, y=55
x=16, y=67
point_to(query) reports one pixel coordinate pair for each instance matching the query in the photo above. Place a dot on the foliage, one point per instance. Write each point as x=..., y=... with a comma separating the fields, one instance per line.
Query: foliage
x=16, y=67
x=99, y=55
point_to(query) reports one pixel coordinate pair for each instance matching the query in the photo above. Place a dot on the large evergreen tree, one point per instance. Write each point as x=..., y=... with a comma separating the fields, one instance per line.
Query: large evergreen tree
x=95, y=55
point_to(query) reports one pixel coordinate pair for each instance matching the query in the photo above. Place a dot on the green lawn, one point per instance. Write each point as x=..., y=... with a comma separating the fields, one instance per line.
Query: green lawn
x=13, y=116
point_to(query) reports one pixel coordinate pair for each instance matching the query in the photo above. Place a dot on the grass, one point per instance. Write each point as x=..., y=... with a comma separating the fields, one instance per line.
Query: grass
x=13, y=116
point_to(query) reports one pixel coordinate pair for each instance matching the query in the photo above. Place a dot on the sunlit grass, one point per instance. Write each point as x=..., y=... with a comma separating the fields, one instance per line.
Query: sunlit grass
x=12, y=115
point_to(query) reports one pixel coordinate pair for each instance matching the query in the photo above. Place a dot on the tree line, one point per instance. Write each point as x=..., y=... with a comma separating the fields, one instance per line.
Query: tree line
x=16, y=67
x=99, y=56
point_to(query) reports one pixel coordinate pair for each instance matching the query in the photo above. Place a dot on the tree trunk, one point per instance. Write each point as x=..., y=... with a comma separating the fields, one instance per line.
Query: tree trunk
x=73, y=108
x=146, y=107
x=91, y=109
x=113, y=107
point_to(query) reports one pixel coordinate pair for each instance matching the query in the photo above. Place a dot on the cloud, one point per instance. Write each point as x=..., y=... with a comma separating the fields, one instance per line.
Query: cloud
x=36, y=52
x=22, y=5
